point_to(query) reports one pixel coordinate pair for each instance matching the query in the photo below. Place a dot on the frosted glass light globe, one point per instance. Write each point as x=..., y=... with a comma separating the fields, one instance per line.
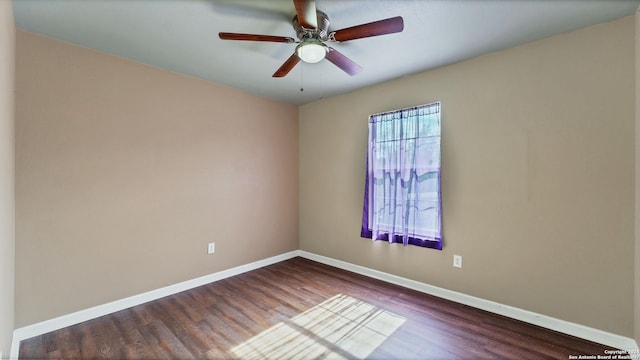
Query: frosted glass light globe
x=311, y=52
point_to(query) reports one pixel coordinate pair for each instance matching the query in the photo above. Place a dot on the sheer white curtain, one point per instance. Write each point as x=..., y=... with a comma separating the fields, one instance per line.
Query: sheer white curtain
x=402, y=195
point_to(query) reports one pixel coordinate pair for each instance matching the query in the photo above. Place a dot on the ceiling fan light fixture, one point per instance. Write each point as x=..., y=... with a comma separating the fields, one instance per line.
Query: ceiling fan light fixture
x=311, y=51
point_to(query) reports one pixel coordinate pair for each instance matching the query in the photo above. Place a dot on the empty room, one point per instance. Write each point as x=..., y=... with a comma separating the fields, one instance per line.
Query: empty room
x=300, y=179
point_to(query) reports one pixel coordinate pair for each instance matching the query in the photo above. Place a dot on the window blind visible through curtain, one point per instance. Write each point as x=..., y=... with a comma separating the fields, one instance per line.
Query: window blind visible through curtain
x=402, y=200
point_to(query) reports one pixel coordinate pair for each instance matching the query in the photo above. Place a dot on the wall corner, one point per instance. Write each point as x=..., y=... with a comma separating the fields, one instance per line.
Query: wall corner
x=637, y=182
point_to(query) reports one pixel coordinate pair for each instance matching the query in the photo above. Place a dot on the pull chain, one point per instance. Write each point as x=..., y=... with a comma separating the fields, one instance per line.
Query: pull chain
x=302, y=77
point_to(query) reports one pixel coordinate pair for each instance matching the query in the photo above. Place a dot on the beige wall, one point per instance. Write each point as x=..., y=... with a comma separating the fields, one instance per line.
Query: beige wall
x=538, y=176
x=7, y=72
x=125, y=172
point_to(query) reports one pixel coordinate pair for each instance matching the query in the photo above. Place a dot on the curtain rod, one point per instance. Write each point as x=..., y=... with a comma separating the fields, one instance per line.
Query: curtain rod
x=407, y=108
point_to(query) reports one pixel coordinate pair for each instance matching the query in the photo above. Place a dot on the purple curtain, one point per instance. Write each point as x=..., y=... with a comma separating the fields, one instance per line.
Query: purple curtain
x=402, y=197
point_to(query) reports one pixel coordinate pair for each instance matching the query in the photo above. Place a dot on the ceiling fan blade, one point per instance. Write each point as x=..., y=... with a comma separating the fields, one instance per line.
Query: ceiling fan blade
x=306, y=11
x=291, y=62
x=380, y=27
x=254, y=37
x=343, y=62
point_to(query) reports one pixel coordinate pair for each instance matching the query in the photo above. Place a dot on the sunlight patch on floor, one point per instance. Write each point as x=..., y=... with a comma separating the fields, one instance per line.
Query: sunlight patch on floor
x=339, y=328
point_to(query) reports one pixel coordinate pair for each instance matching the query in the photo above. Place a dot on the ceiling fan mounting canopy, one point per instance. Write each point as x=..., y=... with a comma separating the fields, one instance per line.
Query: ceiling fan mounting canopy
x=321, y=32
x=312, y=29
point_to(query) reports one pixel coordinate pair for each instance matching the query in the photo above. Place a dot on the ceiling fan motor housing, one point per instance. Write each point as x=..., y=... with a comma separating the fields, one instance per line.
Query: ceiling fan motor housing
x=321, y=33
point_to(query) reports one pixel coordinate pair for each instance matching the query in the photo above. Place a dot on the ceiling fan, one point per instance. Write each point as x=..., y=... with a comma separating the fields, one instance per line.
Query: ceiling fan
x=312, y=29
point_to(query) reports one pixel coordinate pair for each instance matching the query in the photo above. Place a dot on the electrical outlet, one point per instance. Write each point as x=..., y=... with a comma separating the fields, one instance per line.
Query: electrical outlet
x=457, y=261
x=211, y=248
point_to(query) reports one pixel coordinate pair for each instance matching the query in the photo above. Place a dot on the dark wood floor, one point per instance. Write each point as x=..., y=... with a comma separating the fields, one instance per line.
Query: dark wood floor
x=302, y=309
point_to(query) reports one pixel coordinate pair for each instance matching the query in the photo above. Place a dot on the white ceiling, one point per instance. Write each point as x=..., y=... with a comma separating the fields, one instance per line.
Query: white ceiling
x=182, y=35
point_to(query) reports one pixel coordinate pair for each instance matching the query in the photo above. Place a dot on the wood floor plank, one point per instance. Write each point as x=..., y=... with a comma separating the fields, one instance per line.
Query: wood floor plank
x=86, y=341
x=141, y=315
x=226, y=334
x=163, y=343
x=106, y=337
x=303, y=309
x=34, y=348
x=137, y=348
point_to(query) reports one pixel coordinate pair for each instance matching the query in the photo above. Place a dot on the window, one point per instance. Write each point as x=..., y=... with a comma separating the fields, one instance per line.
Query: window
x=402, y=198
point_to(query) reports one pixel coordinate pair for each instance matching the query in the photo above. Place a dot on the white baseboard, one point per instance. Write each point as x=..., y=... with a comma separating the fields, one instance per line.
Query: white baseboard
x=581, y=331
x=15, y=348
x=566, y=327
x=77, y=317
